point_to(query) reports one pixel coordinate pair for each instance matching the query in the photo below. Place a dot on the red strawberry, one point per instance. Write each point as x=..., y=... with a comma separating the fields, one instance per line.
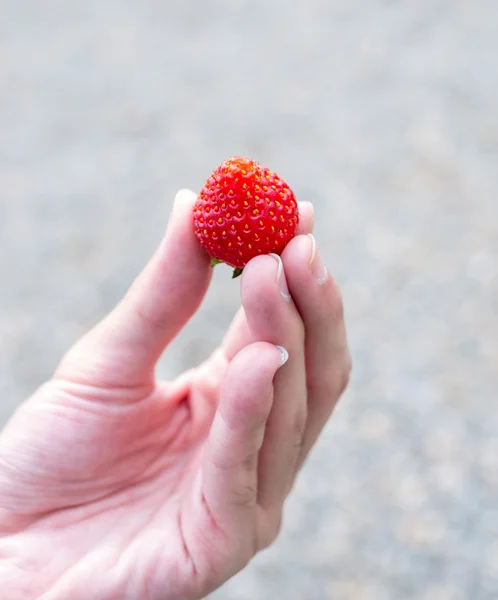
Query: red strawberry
x=244, y=210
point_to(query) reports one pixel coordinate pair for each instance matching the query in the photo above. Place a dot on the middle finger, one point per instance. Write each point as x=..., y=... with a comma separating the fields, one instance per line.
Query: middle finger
x=239, y=335
x=272, y=317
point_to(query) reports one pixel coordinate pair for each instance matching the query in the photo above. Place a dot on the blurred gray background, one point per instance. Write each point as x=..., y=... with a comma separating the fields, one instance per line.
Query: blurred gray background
x=382, y=113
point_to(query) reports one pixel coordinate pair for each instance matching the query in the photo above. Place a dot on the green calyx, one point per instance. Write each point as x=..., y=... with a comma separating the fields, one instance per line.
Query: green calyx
x=236, y=272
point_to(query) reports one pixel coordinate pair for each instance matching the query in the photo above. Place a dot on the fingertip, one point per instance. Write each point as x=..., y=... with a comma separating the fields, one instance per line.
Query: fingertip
x=306, y=218
x=258, y=279
x=180, y=231
x=183, y=204
x=298, y=255
x=263, y=357
x=185, y=196
x=304, y=265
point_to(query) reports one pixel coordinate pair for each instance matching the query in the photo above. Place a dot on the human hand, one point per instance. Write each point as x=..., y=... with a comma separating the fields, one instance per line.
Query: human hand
x=114, y=485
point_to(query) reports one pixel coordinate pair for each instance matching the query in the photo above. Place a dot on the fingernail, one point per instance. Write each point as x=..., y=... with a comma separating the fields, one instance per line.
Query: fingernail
x=284, y=355
x=317, y=267
x=184, y=198
x=310, y=210
x=185, y=195
x=281, y=281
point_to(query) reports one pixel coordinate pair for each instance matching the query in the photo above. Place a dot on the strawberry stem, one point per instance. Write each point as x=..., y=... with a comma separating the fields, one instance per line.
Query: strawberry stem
x=236, y=273
x=215, y=261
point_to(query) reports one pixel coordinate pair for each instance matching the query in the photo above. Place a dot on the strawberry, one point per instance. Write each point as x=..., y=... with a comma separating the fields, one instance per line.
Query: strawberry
x=244, y=210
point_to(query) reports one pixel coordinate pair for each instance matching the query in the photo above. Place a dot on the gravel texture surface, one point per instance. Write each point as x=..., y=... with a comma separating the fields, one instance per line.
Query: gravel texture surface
x=382, y=113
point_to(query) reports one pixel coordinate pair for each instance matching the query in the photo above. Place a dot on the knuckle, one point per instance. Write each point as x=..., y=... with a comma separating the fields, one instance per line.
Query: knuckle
x=298, y=426
x=323, y=386
x=277, y=525
x=336, y=305
x=150, y=321
x=301, y=331
x=348, y=368
x=244, y=496
x=299, y=335
x=331, y=384
x=272, y=529
x=342, y=379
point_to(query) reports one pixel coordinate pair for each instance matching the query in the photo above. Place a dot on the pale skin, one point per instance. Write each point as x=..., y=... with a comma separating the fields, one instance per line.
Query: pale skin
x=117, y=486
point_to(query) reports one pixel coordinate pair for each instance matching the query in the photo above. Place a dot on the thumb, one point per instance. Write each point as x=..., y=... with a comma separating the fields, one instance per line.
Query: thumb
x=125, y=347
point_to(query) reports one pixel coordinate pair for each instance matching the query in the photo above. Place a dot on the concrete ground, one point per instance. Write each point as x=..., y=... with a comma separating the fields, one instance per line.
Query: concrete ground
x=384, y=114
